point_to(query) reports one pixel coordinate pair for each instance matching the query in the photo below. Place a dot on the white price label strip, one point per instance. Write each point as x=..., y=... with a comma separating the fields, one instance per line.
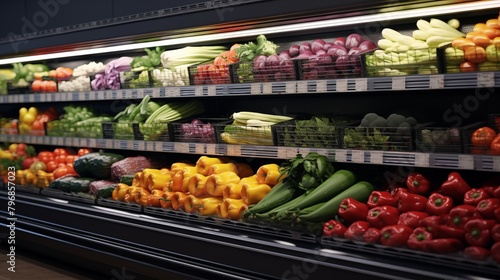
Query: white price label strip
x=302, y=87
x=341, y=85
x=211, y=90
x=496, y=163
x=267, y=88
x=376, y=157
x=255, y=88
x=485, y=79
x=358, y=156
x=173, y=92
x=436, y=81
x=233, y=150
x=398, y=83
x=141, y=146
x=361, y=84
x=150, y=146
x=287, y=152
x=321, y=86
x=304, y=151
x=198, y=90
x=323, y=152
x=211, y=149
x=422, y=160
x=156, y=92
x=199, y=148
x=291, y=87
x=466, y=162
x=341, y=155
x=181, y=147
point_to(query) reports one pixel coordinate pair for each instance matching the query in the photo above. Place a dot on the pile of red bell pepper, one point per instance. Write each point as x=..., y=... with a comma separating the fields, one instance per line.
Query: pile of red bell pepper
x=447, y=218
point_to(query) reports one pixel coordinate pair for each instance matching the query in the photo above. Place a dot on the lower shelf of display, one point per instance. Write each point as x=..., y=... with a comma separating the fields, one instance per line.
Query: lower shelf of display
x=409, y=159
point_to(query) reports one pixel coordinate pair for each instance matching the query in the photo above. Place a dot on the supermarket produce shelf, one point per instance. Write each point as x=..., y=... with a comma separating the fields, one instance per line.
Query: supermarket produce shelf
x=411, y=159
x=147, y=244
x=396, y=83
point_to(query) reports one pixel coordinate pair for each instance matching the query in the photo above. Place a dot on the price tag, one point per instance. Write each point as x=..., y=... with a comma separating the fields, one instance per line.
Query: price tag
x=100, y=95
x=302, y=87
x=211, y=90
x=341, y=155
x=60, y=141
x=255, y=88
x=126, y=145
x=109, y=144
x=466, y=162
x=321, y=86
x=91, y=143
x=233, y=150
x=496, y=163
x=43, y=97
x=156, y=92
x=398, y=83
x=198, y=90
x=267, y=88
x=181, y=147
x=83, y=142
x=141, y=145
x=376, y=157
x=134, y=94
x=341, y=85
x=150, y=146
x=199, y=148
x=32, y=98
x=291, y=87
x=361, y=84
x=111, y=95
x=58, y=97
x=126, y=94
x=422, y=160
x=173, y=91
x=436, y=81
x=211, y=149
x=287, y=152
x=304, y=151
x=159, y=147
x=75, y=142
x=358, y=156
x=485, y=79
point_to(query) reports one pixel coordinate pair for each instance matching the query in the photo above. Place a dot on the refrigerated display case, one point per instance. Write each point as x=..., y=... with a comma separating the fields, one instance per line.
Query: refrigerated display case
x=149, y=243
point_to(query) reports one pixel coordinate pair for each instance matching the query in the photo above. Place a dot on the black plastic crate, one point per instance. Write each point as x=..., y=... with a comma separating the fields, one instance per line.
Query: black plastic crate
x=11, y=89
x=401, y=63
x=163, y=77
x=379, y=138
x=275, y=71
x=120, y=130
x=314, y=133
x=440, y=139
x=208, y=74
x=158, y=131
x=136, y=79
x=494, y=122
x=330, y=67
x=229, y=133
x=187, y=131
x=454, y=59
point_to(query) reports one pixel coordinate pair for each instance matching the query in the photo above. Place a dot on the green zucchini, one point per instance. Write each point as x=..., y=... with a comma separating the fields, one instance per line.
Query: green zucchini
x=96, y=165
x=105, y=192
x=359, y=191
x=72, y=184
x=279, y=194
x=127, y=179
x=335, y=184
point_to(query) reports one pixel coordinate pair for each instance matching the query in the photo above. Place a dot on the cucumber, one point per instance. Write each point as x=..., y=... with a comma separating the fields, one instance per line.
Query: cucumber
x=106, y=192
x=127, y=179
x=96, y=165
x=359, y=191
x=71, y=184
x=279, y=194
x=335, y=184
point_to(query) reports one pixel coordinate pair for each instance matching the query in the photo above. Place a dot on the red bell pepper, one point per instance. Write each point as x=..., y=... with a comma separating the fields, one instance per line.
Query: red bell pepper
x=356, y=230
x=372, y=236
x=478, y=232
x=476, y=253
x=495, y=252
x=455, y=187
x=496, y=192
x=438, y=204
x=487, y=207
x=491, y=185
x=382, y=216
x=395, y=235
x=473, y=196
x=334, y=228
x=381, y=198
x=417, y=238
x=417, y=183
x=437, y=226
x=351, y=210
x=495, y=233
x=411, y=202
x=497, y=214
x=443, y=245
x=459, y=215
x=411, y=218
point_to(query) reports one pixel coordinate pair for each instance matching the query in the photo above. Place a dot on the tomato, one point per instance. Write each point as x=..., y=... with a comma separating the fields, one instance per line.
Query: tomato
x=468, y=67
x=70, y=159
x=36, y=85
x=60, y=151
x=43, y=86
x=51, y=86
x=60, y=158
x=27, y=162
x=482, y=137
x=495, y=145
x=64, y=170
x=83, y=151
x=51, y=166
x=37, y=125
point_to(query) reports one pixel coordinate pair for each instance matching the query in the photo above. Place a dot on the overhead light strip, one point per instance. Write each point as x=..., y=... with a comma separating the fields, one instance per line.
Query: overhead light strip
x=354, y=20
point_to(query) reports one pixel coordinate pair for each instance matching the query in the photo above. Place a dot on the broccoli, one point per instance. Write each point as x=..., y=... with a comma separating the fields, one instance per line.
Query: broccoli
x=403, y=129
x=378, y=122
x=367, y=119
x=411, y=120
x=394, y=120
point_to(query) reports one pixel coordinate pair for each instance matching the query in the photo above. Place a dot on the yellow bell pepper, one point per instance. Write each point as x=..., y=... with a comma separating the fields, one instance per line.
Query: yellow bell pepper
x=158, y=181
x=218, y=168
x=130, y=194
x=232, y=190
x=249, y=180
x=192, y=204
x=141, y=197
x=119, y=192
x=6, y=154
x=253, y=193
x=166, y=200
x=154, y=198
x=244, y=170
x=269, y=174
x=196, y=184
x=179, y=166
x=144, y=175
x=232, y=208
x=209, y=206
x=137, y=179
x=178, y=183
x=217, y=182
x=204, y=163
x=44, y=179
x=20, y=177
x=178, y=199
x=30, y=178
